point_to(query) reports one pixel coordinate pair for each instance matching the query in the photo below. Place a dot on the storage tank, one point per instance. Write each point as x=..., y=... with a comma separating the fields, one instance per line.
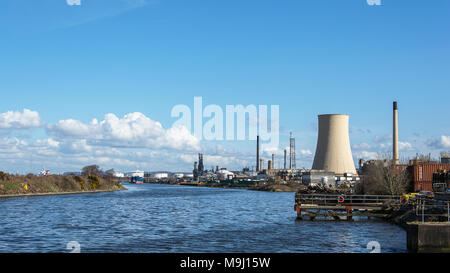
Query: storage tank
x=333, y=153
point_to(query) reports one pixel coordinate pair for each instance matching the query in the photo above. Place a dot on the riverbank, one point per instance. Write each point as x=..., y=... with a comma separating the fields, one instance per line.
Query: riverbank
x=289, y=187
x=53, y=193
x=32, y=185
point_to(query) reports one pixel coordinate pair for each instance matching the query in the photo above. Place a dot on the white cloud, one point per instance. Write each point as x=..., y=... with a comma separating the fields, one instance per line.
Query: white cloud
x=26, y=119
x=50, y=143
x=385, y=138
x=268, y=151
x=369, y=155
x=445, y=141
x=306, y=152
x=133, y=130
x=362, y=146
x=405, y=146
x=69, y=128
x=402, y=146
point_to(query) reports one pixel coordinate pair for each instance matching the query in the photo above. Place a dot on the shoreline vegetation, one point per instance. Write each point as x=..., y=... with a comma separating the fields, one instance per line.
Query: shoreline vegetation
x=32, y=185
x=279, y=187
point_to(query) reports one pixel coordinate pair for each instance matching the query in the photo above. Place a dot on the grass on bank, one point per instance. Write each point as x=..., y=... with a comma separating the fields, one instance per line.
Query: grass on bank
x=32, y=184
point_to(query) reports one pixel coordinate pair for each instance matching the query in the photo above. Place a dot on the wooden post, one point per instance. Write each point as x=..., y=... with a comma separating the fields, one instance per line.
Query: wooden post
x=335, y=216
x=448, y=212
x=299, y=212
x=423, y=211
x=349, y=213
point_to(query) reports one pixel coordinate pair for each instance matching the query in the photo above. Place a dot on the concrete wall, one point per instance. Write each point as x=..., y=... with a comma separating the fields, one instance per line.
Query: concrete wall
x=428, y=237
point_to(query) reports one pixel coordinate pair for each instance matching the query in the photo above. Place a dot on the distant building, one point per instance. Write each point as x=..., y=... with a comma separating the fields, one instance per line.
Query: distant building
x=445, y=158
x=199, y=170
x=441, y=181
x=422, y=174
x=118, y=174
x=72, y=173
x=178, y=175
x=161, y=175
x=44, y=172
x=319, y=178
x=224, y=174
x=333, y=153
x=136, y=173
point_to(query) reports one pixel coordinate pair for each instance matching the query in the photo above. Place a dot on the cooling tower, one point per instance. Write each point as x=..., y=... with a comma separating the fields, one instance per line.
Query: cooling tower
x=333, y=153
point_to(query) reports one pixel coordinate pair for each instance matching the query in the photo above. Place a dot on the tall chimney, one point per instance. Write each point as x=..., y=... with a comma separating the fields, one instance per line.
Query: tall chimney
x=285, y=154
x=273, y=161
x=396, y=160
x=292, y=163
x=257, y=154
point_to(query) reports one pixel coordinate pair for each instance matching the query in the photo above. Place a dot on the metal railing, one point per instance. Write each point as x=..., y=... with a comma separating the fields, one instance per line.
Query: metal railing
x=430, y=209
x=324, y=199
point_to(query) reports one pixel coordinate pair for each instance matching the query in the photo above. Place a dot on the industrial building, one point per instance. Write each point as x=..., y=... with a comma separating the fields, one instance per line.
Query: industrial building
x=199, y=170
x=315, y=178
x=292, y=160
x=160, y=175
x=224, y=174
x=136, y=173
x=422, y=174
x=445, y=158
x=333, y=153
x=441, y=181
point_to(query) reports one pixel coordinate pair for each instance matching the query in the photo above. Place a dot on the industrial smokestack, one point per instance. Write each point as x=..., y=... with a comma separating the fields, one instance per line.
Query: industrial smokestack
x=292, y=161
x=285, y=155
x=257, y=154
x=273, y=161
x=396, y=160
x=333, y=153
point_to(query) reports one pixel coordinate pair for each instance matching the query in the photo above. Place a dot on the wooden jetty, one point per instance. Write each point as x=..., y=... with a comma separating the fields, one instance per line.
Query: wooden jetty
x=344, y=206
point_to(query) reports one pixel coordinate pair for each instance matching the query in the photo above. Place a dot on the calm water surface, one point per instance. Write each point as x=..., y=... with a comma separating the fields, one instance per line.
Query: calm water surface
x=162, y=218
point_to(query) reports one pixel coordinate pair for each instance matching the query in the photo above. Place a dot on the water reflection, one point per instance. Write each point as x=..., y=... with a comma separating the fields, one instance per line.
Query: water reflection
x=162, y=218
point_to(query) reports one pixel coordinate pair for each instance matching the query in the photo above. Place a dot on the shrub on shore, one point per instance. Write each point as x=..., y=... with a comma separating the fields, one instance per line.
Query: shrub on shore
x=29, y=184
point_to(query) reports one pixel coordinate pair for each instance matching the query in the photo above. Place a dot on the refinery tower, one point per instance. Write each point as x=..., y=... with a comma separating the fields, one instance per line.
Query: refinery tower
x=333, y=153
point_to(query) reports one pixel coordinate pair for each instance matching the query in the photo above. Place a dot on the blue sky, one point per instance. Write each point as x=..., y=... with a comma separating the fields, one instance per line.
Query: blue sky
x=309, y=57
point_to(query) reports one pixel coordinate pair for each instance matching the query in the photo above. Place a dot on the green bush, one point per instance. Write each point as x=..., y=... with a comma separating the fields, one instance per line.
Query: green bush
x=94, y=181
x=5, y=176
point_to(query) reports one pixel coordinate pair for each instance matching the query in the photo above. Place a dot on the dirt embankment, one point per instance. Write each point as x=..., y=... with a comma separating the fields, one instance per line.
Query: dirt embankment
x=299, y=187
x=32, y=184
x=274, y=187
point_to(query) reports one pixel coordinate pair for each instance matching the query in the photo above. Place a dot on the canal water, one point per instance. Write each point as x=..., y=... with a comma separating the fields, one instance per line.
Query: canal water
x=163, y=219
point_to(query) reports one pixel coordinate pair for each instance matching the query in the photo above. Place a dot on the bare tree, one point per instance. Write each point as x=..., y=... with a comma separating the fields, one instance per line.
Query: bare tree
x=110, y=172
x=382, y=177
x=92, y=170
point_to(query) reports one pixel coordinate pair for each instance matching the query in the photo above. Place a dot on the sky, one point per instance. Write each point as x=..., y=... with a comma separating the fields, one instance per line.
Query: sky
x=95, y=83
